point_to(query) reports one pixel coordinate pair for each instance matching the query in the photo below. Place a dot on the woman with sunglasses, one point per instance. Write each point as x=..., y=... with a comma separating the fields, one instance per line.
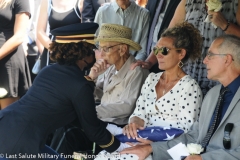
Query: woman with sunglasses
x=170, y=98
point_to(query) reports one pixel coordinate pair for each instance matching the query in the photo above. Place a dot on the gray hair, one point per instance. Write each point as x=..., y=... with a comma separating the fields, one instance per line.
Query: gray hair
x=230, y=45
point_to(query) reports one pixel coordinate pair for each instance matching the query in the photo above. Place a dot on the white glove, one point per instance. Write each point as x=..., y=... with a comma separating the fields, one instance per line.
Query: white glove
x=115, y=130
x=3, y=92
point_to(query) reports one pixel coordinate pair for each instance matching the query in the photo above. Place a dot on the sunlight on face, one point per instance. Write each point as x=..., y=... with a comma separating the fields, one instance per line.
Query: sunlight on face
x=112, y=56
x=214, y=65
x=171, y=59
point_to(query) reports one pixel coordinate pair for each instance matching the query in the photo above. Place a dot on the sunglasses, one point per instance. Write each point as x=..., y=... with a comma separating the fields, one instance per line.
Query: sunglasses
x=163, y=50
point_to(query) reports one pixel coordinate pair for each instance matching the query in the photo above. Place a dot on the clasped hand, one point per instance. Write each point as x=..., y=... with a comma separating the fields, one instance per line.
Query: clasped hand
x=99, y=67
x=218, y=19
x=131, y=129
x=142, y=149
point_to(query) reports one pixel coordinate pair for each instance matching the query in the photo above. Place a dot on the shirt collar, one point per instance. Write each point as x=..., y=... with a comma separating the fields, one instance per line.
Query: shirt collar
x=125, y=68
x=129, y=9
x=234, y=85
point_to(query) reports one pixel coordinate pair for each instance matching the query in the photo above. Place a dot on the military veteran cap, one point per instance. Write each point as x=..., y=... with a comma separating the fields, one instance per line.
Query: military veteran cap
x=75, y=33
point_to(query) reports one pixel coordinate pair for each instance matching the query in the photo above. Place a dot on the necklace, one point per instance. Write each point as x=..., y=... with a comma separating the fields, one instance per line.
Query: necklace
x=168, y=85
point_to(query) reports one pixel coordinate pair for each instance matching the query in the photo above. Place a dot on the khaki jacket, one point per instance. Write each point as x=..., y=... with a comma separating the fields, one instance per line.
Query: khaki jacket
x=120, y=92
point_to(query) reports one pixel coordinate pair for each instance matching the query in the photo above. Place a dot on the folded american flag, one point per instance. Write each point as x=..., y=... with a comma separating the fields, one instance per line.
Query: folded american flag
x=153, y=134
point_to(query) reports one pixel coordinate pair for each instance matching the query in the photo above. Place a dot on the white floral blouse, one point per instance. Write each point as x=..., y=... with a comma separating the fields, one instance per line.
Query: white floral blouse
x=178, y=108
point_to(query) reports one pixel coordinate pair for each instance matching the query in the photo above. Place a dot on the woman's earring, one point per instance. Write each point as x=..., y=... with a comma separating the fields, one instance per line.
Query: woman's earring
x=180, y=64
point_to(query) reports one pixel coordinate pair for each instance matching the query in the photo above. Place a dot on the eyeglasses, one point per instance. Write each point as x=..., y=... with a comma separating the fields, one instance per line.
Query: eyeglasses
x=105, y=49
x=164, y=50
x=209, y=55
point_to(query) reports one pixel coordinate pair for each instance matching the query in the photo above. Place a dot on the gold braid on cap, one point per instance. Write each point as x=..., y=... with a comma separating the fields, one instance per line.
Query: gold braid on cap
x=109, y=144
x=76, y=38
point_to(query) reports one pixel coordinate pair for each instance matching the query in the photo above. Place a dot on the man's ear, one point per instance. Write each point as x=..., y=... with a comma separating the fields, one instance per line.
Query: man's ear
x=229, y=59
x=123, y=49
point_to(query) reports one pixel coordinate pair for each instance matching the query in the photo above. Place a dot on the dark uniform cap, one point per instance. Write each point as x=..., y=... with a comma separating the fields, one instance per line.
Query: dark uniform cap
x=75, y=33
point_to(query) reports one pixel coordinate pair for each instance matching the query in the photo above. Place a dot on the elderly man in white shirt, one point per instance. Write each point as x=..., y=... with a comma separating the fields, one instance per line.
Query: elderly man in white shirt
x=129, y=14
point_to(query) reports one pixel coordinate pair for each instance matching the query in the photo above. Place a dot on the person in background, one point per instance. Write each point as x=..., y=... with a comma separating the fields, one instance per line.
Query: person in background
x=227, y=21
x=56, y=13
x=59, y=94
x=161, y=13
x=141, y=3
x=81, y=6
x=90, y=8
x=119, y=87
x=129, y=14
x=30, y=43
x=14, y=71
x=218, y=128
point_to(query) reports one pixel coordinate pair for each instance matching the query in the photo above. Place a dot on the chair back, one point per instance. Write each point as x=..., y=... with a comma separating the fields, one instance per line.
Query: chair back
x=50, y=151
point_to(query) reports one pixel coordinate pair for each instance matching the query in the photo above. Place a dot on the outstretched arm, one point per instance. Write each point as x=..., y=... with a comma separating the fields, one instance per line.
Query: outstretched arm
x=228, y=27
x=179, y=15
x=94, y=128
x=142, y=54
x=42, y=25
x=147, y=64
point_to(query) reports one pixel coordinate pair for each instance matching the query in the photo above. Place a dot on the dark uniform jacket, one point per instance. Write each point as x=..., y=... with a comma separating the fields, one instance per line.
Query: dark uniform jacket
x=59, y=95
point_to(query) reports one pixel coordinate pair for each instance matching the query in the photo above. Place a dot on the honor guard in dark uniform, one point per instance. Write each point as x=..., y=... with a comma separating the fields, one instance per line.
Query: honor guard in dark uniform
x=60, y=94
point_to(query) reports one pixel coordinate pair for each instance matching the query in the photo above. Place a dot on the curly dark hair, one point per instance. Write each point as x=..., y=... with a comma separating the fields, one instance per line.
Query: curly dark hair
x=186, y=36
x=70, y=53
